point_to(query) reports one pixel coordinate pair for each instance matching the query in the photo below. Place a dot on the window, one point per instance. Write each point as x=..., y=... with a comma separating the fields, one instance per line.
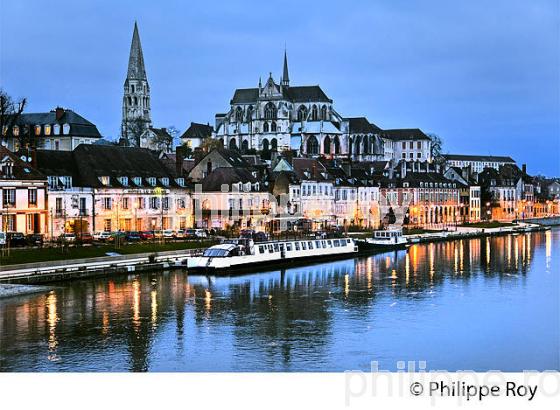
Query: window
x=104, y=180
x=58, y=206
x=314, y=113
x=15, y=130
x=30, y=222
x=165, y=181
x=9, y=197
x=302, y=113
x=37, y=130
x=411, y=145
x=419, y=155
x=152, y=181
x=297, y=246
x=324, y=112
x=47, y=129
x=265, y=127
x=403, y=145
x=66, y=129
x=403, y=155
x=181, y=203
x=154, y=202
x=123, y=181
x=32, y=197
x=107, y=203
x=107, y=225
x=140, y=203
x=270, y=111
x=165, y=202
x=125, y=203
x=273, y=126
x=419, y=145
x=411, y=155
x=239, y=114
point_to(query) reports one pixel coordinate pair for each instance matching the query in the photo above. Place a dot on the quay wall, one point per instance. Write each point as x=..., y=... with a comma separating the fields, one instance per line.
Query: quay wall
x=552, y=221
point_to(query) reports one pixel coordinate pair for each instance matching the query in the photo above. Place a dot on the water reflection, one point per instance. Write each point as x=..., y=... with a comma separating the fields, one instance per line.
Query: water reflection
x=320, y=317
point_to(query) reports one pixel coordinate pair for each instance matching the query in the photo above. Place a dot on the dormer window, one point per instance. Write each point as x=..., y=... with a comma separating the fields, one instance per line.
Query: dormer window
x=137, y=180
x=15, y=130
x=37, y=130
x=47, y=129
x=180, y=181
x=56, y=129
x=247, y=187
x=151, y=181
x=105, y=180
x=7, y=168
x=164, y=181
x=123, y=181
x=66, y=129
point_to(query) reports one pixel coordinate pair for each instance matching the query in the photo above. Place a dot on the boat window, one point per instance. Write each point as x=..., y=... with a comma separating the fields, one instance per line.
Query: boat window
x=347, y=240
x=270, y=249
x=330, y=243
x=282, y=247
x=310, y=244
x=318, y=243
x=336, y=243
x=276, y=248
x=215, y=253
x=297, y=246
x=304, y=246
x=261, y=249
x=324, y=243
x=288, y=246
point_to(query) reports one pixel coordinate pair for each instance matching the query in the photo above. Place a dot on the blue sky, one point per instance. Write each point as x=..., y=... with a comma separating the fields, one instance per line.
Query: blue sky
x=483, y=75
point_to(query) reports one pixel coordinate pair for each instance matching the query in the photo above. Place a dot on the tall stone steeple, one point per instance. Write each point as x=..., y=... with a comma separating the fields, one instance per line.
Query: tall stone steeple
x=136, y=113
x=285, y=75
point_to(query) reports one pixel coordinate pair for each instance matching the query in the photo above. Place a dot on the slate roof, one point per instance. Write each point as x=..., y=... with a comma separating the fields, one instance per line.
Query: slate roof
x=89, y=162
x=234, y=158
x=313, y=166
x=197, y=130
x=414, y=178
x=361, y=125
x=311, y=93
x=482, y=158
x=227, y=176
x=404, y=134
x=79, y=126
x=21, y=170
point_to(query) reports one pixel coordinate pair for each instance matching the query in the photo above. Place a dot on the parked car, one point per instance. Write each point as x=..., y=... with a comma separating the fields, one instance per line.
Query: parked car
x=2, y=238
x=16, y=239
x=168, y=234
x=158, y=234
x=201, y=233
x=68, y=237
x=35, y=239
x=146, y=235
x=101, y=236
x=84, y=237
x=190, y=233
x=260, y=237
x=117, y=235
x=181, y=233
x=133, y=236
x=247, y=233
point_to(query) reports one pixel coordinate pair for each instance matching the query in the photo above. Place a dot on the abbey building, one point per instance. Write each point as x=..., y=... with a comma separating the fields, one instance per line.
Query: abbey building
x=281, y=117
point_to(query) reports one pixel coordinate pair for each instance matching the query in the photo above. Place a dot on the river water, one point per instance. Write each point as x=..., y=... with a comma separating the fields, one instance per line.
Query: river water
x=477, y=304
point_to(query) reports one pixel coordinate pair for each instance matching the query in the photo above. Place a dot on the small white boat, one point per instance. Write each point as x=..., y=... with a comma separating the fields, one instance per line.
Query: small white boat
x=384, y=239
x=247, y=255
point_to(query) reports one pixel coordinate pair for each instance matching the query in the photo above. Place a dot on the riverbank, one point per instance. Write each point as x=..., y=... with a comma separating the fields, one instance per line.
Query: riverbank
x=11, y=290
x=62, y=270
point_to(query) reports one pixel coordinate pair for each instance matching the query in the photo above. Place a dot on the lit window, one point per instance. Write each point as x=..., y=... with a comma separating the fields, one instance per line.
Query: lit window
x=37, y=130
x=15, y=130
x=47, y=129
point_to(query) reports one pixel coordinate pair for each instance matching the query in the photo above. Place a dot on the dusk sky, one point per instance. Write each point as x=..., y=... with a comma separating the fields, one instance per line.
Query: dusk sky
x=485, y=76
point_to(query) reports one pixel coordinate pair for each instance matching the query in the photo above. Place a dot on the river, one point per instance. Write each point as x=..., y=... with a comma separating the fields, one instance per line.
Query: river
x=475, y=304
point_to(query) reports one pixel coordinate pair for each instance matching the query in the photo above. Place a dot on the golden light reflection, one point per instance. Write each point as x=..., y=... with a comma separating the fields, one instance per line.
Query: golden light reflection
x=487, y=251
x=548, y=248
x=516, y=251
x=431, y=259
x=508, y=250
x=529, y=245
x=407, y=268
x=154, y=306
x=414, y=250
x=136, y=302
x=52, y=320
x=461, y=257
x=456, y=259
x=207, y=300
x=346, y=285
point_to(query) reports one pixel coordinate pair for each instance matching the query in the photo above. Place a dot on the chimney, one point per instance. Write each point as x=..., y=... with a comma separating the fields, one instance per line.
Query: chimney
x=465, y=173
x=524, y=168
x=59, y=112
x=179, y=157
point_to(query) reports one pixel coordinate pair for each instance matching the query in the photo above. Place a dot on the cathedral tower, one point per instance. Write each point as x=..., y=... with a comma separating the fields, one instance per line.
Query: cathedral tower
x=136, y=115
x=285, y=75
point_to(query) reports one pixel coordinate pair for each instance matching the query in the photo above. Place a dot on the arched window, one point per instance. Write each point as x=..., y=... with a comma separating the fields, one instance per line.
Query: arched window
x=366, y=145
x=232, y=144
x=221, y=140
x=314, y=113
x=265, y=145
x=239, y=114
x=324, y=112
x=336, y=143
x=273, y=127
x=245, y=146
x=312, y=146
x=249, y=113
x=302, y=113
x=270, y=111
x=350, y=146
x=135, y=100
x=132, y=87
x=357, y=146
x=327, y=145
x=273, y=144
x=265, y=127
x=129, y=100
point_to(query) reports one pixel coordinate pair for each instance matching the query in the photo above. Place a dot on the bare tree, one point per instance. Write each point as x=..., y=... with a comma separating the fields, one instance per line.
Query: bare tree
x=436, y=148
x=133, y=131
x=10, y=112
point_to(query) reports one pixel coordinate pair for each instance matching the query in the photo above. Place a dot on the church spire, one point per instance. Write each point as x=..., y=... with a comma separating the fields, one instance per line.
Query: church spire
x=285, y=76
x=136, y=69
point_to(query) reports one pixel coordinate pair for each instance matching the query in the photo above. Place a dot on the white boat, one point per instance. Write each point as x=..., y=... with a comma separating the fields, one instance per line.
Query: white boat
x=247, y=255
x=384, y=239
